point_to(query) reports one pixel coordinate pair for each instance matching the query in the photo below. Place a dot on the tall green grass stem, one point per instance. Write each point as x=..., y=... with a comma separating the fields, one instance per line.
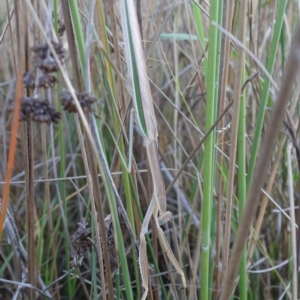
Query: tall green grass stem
x=209, y=146
x=241, y=158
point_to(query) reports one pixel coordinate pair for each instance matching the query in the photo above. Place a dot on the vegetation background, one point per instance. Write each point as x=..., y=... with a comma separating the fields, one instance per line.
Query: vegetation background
x=221, y=80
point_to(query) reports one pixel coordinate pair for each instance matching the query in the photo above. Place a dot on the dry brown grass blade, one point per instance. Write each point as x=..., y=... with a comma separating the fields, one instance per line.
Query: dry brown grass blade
x=271, y=181
x=48, y=200
x=27, y=147
x=11, y=35
x=293, y=138
x=291, y=71
x=97, y=209
x=265, y=200
x=223, y=79
x=294, y=280
x=28, y=160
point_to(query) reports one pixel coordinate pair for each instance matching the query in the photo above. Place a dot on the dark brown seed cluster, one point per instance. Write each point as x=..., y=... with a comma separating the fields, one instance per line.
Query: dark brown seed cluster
x=29, y=79
x=37, y=110
x=41, y=76
x=43, y=58
x=82, y=239
x=85, y=99
x=45, y=81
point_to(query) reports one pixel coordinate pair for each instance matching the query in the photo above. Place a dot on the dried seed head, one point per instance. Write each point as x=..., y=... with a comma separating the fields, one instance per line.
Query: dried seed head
x=47, y=80
x=85, y=99
x=43, y=58
x=81, y=238
x=37, y=110
x=47, y=64
x=59, y=49
x=40, y=50
x=81, y=233
x=29, y=79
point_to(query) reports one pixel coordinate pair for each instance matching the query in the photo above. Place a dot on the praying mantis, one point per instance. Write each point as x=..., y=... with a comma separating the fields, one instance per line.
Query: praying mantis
x=139, y=87
x=157, y=209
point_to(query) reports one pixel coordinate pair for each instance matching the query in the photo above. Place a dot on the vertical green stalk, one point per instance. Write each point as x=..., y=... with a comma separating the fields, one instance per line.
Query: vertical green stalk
x=266, y=88
x=62, y=164
x=241, y=144
x=209, y=154
x=200, y=31
x=214, y=211
x=55, y=16
x=78, y=32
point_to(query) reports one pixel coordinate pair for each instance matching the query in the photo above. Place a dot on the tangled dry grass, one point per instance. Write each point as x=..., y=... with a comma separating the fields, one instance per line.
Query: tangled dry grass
x=79, y=136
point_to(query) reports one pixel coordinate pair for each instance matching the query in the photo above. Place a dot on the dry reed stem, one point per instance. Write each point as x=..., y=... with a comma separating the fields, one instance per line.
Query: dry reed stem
x=292, y=224
x=223, y=79
x=28, y=158
x=234, y=134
